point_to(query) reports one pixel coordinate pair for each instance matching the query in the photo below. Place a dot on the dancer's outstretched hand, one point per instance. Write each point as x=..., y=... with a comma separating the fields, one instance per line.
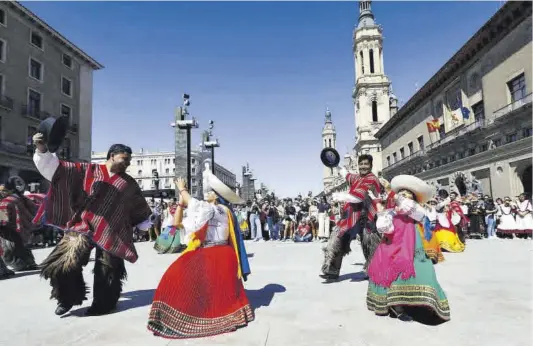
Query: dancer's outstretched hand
x=38, y=140
x=180, y=183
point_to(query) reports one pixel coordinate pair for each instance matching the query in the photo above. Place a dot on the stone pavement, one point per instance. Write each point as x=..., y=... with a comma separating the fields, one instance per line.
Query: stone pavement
x=488, y=286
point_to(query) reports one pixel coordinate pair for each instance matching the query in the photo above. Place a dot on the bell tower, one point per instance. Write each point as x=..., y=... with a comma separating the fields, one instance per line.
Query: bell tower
x=329, y=139
x=371, y=94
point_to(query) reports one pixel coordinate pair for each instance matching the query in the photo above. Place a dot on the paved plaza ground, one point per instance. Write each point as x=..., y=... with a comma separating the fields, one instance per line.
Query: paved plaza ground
x=488, y=286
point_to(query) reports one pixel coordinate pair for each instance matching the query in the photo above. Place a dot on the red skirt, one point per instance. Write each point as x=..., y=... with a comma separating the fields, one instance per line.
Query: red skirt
x=200, y=295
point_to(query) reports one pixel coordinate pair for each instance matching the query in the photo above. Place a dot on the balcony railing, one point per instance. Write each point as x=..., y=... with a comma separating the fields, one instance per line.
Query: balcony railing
x=416, y=154
x=456, y=133
x=34, y=113
x=6, y=102
x=512, y=107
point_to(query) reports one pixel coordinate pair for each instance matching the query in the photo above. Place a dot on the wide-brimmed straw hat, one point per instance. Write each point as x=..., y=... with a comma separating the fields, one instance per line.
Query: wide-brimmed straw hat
x=220, y=188
x=419, y=188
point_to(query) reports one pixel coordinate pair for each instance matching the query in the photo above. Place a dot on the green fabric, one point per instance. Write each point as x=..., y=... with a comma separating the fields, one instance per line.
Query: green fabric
x=423, y=290
x=168, y=241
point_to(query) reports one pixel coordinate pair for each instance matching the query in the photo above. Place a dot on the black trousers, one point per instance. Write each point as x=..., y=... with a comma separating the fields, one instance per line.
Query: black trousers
x=338, y=247
x=64, y=267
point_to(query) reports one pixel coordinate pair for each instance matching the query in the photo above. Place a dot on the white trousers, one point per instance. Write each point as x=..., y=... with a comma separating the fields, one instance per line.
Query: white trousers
x=323, y=225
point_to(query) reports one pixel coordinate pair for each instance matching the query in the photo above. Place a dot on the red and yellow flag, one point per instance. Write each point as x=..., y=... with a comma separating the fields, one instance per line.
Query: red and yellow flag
x=433, y=125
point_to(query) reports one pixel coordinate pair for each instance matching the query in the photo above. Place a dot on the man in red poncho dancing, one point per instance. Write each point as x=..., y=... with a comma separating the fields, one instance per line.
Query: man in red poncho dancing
x=97, y=205
x=359, y=212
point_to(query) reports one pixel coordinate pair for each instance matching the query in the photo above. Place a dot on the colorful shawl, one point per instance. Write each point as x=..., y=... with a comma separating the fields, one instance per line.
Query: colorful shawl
x=456, y=207
x=359, y=186
x=395, y=258
x=16, y=212
x=85, y=199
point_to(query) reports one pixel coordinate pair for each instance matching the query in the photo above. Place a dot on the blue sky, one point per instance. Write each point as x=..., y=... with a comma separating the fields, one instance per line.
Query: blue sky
x=263, y=71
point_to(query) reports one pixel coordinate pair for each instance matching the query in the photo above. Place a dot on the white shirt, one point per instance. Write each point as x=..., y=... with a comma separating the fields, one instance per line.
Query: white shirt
x=200, y=212
x=47, y=164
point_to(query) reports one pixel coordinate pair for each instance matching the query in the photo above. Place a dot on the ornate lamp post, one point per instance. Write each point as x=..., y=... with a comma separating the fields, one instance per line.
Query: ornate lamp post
x=186, y=124
x=212, y=144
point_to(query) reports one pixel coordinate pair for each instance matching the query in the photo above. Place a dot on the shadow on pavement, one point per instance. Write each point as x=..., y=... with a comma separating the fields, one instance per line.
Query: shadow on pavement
x=134, y=299
x=353, y=277
x=263, y=297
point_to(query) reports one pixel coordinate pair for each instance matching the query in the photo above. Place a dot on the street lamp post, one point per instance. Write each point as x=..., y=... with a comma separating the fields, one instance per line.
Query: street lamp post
x=212, y=144
x=186, y=124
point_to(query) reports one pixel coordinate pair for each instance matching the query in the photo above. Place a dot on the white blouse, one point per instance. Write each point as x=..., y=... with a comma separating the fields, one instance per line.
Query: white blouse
x=384, y=223
x=200, y=212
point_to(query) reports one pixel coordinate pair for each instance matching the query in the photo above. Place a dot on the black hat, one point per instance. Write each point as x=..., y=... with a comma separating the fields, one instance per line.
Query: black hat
x=54, y=131
x=330, y=157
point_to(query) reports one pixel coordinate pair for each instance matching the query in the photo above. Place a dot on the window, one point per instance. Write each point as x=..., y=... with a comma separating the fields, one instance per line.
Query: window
x=138, y=163
x=193, y=161
x=193, y=170
x=173, y=170
x=66, y=86
x=526, y=132
x=517, y=87
x=140, y=173
x=167, y=171
x=374, y=111
x=3, y=46
x=454, y=97
x=193, y=181
x=29, y=141
x=193, y=191
x=3, y=17
x=483, y=148
x=329, y=142
x=362, y=63
x=472, y=151
x=66, y=110
x=497, y=142
x=402, y=153
x=65, y=151
x=411, y=148
x=479, y=111
x=510, y=138
x=388, y=160
x=371, y=52
x=394, y=157
x=420, y=141
x=36, y=69
x=34, y=103
x=140, y=183
x=36, y=40
x=442, y=131
x=66, y=60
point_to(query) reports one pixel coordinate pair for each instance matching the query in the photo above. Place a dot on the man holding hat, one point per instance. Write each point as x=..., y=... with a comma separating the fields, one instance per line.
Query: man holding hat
x=16, y=226
x=358, y=218
x=97, y=205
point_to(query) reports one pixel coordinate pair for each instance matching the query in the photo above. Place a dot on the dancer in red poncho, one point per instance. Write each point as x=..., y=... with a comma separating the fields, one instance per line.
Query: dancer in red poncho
x=358, y=218
x=97, y=205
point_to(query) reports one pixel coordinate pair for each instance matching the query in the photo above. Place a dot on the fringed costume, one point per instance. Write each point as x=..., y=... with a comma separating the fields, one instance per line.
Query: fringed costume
x=358, y=218
x=16, y=227
x=400, y=273
x=95, y=208
x=202, y=293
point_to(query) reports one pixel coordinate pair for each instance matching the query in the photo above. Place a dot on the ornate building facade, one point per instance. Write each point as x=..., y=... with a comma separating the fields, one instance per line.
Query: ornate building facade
x=374, y=102
x=479, y=108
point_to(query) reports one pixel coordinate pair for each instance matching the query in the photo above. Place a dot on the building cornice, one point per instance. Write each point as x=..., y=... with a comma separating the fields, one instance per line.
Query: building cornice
x=26, y=13
x=498, y=26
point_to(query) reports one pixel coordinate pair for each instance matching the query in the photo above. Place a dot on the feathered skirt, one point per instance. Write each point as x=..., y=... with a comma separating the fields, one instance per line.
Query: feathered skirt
x=200, y=295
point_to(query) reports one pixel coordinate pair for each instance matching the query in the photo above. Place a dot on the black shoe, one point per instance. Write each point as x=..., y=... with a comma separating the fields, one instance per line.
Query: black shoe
x=329, y=277
x=95, y=310
x=8, y=273
x=62, y=309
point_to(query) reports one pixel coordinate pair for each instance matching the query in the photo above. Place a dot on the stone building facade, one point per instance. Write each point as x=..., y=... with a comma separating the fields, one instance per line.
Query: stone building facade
x=247, y=190
x=143, y=163
x=42, y=74
x=480, y=100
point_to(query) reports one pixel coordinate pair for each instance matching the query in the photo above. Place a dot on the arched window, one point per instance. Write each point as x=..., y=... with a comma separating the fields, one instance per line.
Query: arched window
x=374, y=111
x=371, y=52
x=362, y=63
x=325, y=144
x=329, y=142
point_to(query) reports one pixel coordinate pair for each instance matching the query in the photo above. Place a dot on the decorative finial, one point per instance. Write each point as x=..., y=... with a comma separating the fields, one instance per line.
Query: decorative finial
x=366, y=17
x=328, y=115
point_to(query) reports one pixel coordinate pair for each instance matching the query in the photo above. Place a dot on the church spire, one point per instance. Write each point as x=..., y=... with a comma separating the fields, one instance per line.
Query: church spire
x=366, y=17
x=328, y=115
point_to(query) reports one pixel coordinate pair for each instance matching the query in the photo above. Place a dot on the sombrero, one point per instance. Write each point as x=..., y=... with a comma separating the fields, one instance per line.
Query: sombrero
x=419, y=188
x=54, y=131
x=212, y=182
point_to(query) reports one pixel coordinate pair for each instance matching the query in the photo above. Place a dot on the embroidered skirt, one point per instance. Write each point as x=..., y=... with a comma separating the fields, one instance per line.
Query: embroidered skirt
x=200, y=295
x=421, y=291
x=432, y=247
x=449, y=241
